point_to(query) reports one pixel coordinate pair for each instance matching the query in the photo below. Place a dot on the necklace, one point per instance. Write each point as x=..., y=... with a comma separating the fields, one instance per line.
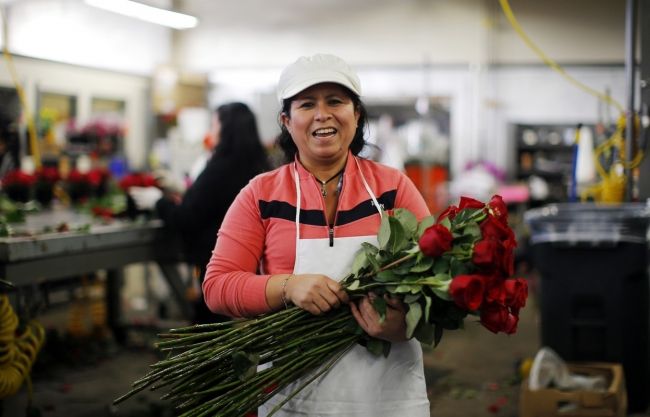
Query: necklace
x=323, y=191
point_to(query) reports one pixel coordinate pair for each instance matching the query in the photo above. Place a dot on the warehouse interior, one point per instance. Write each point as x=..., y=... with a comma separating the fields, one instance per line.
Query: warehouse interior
x=532, y=101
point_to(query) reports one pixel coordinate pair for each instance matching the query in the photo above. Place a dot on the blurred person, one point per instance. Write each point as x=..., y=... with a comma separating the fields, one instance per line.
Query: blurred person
x=293, y=232
x=7, y=158
x=196, y=216
x=7, y=163
x=393, y=149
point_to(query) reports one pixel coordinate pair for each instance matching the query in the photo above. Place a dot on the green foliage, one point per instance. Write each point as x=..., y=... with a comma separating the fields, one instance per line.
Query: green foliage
x=397, y=267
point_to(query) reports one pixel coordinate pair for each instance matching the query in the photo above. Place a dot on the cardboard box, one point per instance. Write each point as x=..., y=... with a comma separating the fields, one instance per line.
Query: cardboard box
x=551, y=402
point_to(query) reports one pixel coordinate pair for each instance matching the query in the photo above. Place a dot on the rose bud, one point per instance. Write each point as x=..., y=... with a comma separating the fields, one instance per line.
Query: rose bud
x=435, y=240
x=498, y=209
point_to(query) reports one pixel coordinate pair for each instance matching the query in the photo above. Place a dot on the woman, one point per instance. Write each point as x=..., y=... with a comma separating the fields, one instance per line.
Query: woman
x=238, y=156
x=292, y=233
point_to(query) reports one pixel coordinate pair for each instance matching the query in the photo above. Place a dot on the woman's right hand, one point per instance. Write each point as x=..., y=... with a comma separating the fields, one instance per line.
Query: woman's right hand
x=315, y=293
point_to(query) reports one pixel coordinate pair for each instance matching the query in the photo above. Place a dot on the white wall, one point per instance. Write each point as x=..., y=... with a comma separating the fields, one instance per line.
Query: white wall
x=473, y=54
x=539, y=95
x=85, y=83
x=72, y=32
x=484, y=100
x=474, y=57
x=255, y=34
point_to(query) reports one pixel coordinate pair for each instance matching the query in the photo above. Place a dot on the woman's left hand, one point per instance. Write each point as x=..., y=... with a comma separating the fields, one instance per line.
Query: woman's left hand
x=393, y=328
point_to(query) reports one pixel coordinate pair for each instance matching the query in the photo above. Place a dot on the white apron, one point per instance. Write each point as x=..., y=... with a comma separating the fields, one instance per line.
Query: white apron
x=359, y=384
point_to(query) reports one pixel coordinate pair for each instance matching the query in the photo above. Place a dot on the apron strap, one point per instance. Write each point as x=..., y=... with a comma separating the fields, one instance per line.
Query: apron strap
x=297, y=220
x=372, y=195
x=298, y=197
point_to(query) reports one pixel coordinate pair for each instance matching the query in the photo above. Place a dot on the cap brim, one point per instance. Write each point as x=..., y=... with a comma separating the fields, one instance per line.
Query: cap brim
x=328, y=77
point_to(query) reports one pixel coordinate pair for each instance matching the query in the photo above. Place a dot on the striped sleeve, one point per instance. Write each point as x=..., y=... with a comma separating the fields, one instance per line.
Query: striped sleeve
x=232, y=286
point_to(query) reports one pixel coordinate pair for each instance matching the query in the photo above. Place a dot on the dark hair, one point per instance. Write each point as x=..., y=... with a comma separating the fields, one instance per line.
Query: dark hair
x=239, y=137
x=289, y=148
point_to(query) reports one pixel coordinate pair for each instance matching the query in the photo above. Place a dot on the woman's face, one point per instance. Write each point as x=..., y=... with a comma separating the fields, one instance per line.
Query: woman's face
x=322, y=123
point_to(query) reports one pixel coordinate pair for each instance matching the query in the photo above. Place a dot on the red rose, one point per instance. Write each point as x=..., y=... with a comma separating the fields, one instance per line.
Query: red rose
x=516, y=292
x=467, y=291
x=498, y=209
x=495, y=291
x=508, y=260
x=467, y=202
x=450, y=212
x=510, y=326
x=496, y=318
x=435, y=240
x=488, y=254
x=493, y=228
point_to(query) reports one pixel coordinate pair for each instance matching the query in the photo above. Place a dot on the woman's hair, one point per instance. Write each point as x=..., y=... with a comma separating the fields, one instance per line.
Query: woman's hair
x=239, y=137
x=358, y=142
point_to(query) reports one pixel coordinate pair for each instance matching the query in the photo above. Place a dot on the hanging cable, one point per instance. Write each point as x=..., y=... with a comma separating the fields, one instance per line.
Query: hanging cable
x=612, y=185
x=505, y=5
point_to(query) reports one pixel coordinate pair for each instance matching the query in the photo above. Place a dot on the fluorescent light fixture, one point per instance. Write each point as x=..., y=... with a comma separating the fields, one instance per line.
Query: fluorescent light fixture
x=147, y=13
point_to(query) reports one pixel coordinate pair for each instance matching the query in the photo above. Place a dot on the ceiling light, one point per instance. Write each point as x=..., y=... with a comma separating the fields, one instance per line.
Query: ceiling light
x=148, y=13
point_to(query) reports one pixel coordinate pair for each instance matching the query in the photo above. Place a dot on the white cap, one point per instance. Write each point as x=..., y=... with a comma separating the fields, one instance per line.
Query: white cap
x=312, y=70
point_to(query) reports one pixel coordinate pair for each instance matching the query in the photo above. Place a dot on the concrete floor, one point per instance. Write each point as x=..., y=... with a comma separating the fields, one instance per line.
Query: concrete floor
x=472, y=373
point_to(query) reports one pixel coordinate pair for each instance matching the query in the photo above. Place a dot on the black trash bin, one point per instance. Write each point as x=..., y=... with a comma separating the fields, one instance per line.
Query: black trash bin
x=594, y=286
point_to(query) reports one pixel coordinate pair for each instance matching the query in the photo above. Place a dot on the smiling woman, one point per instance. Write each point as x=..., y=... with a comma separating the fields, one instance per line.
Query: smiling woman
x=322, y=120
x=291, y=235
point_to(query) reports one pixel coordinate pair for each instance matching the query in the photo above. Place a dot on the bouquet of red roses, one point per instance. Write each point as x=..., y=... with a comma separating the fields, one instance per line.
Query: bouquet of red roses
x=442, y=270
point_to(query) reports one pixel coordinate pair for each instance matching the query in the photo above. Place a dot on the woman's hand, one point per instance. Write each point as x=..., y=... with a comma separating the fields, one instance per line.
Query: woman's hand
x=393, y=327
x=314, y=292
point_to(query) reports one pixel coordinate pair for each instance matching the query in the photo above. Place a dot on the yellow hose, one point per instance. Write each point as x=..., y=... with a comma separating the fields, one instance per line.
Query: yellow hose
x=550, y=62
x=17, y=351
x=88, y=315
x=612, y=185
